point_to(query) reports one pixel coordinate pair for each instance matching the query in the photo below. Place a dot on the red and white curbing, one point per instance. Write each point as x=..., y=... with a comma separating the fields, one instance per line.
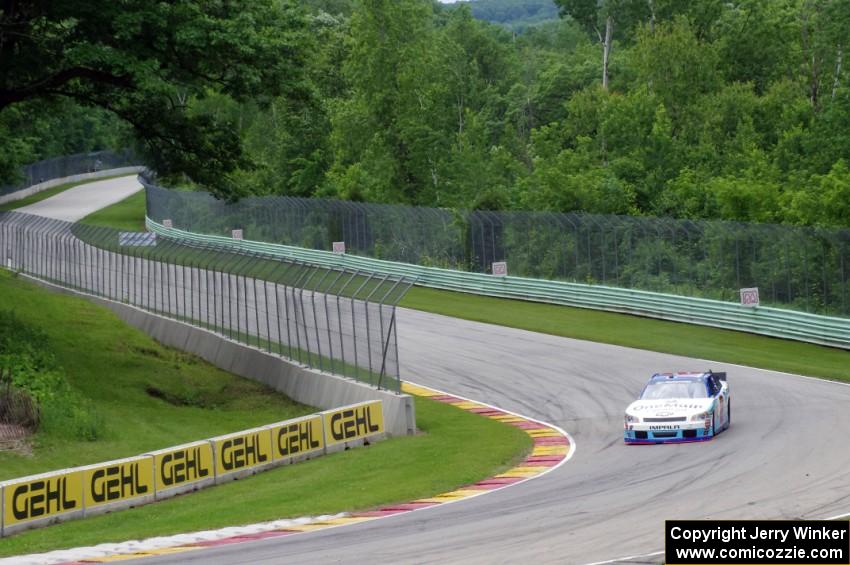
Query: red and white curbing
x=552, y=448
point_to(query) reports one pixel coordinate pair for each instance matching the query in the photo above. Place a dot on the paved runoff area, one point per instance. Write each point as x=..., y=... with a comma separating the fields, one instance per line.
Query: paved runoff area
x=78, y=202
x=784, y=457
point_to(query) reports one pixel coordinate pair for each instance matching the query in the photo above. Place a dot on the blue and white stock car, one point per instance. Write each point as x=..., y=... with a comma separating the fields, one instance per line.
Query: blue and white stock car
x=679, y=407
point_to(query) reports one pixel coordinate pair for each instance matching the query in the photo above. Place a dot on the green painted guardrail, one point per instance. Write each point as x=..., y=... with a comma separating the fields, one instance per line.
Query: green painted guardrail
x=775, y=322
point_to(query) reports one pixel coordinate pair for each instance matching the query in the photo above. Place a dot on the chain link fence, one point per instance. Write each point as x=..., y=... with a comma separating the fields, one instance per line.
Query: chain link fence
x=69, y=165
x=334, y=320
x=794, y=267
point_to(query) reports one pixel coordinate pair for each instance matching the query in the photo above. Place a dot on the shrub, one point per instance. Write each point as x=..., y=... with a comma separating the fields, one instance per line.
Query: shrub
x=28, y=369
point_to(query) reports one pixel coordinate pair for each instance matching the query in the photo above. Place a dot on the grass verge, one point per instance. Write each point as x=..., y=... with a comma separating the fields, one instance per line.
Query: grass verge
x=456, y=448
x=123, y=215
x=146, y=396
x=45, y=194
x=642, y=333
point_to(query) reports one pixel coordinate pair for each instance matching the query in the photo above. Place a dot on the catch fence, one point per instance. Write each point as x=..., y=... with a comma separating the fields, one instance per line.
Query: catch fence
x=69, y=165
x=795, y=267
x=335, y=320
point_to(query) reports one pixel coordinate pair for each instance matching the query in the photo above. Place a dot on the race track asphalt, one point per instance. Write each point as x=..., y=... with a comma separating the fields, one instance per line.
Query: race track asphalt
x=785, y=456
x=78, y=202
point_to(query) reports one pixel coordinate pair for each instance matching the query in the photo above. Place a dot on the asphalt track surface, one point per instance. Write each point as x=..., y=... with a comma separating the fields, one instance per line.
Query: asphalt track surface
x=785, y=456
x=78, y=202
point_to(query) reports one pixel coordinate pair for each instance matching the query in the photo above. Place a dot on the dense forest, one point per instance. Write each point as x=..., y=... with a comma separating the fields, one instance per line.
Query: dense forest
x=707, y=109
x=35, y=131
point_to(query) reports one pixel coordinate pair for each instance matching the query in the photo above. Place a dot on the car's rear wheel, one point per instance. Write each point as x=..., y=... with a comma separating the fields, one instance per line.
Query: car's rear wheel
x=728, y=413
x=713, y=425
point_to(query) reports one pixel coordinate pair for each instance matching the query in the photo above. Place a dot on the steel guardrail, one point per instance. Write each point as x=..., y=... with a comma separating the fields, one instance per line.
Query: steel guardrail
x=774, y=322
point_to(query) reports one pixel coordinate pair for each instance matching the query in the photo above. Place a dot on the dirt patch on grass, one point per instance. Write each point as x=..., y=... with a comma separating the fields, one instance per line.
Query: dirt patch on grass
x=15, y=438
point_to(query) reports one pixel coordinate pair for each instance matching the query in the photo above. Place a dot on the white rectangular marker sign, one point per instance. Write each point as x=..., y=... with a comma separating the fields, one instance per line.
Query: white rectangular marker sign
x=750, y=297
x=136, y=239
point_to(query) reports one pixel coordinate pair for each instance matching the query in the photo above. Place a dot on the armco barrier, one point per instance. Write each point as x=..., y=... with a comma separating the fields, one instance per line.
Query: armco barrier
x=774, y=322
x=49, y=498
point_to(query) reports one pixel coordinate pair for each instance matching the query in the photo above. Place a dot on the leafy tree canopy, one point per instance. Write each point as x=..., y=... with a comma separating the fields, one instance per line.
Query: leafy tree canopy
x=735, y=109
x=145, y=61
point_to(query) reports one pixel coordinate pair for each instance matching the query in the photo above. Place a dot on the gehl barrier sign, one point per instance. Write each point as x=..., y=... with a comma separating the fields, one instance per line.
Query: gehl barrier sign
x=39, y=499
x=183, y=468
x=242, y=453
x=108, y=484
x=84, y=491
x=353, y=422
x=297, y=439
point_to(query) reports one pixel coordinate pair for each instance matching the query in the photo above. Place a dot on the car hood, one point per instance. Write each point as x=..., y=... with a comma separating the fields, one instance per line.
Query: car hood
x=669, y=407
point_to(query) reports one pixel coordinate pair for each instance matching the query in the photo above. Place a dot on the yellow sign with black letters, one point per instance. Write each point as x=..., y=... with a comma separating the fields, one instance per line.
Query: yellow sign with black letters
x=42, y=496
x=354, y=422
x=242, y=451
x=118, y=480
x=183, y=465
x=297, y=437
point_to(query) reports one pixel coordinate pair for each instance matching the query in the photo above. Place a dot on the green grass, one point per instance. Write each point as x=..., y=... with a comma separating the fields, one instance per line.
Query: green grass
x=114, y=366
x=642, y=333
x=455, y=448
x=122, y=215
x=44, y=194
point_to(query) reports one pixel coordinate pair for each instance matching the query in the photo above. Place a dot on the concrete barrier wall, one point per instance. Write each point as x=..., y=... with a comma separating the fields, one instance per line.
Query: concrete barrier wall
x=41, y=500
x=36, y=188
x=183, y=468
x=115, y=485
x=49, y=498
x=300, y=383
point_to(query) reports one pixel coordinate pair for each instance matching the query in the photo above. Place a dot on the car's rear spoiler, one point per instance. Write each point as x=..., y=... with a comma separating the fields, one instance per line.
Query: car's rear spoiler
x=721, y=376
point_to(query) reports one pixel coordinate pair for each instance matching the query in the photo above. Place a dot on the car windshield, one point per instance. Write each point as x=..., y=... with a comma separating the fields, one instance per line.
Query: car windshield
x=659, y=390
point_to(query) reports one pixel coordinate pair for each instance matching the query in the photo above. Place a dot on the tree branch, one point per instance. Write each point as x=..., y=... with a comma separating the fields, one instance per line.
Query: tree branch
x=33, y=90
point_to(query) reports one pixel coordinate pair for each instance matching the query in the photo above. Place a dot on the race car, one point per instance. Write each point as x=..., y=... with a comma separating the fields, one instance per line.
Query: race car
x=681, y=407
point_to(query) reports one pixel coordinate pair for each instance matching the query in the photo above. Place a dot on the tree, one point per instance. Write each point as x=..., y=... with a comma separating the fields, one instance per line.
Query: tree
x=758, y=41
x=382, y=140
x=681, y=78
x=823, y=39
x=624, y=15
x=145, y=61
x=588, y=14
x=825, y=200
